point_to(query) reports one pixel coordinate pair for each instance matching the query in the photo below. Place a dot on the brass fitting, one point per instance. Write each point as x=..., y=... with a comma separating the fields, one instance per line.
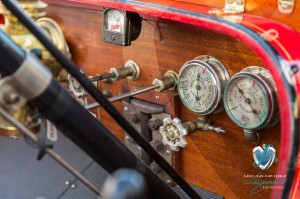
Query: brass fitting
x=174, y=132
x=169, y=81
x=130, y=70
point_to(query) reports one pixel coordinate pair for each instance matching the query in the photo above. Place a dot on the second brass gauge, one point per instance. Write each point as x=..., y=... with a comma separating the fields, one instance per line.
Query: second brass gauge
x=201, y=84
x=250, y=99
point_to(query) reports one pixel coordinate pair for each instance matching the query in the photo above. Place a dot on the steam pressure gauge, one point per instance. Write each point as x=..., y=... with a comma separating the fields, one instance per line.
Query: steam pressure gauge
x=250, y=99
x=201, y=85
x=120, y=27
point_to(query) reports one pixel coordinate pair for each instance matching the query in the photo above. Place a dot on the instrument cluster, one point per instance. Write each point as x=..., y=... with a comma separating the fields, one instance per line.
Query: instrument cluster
x=249, y=97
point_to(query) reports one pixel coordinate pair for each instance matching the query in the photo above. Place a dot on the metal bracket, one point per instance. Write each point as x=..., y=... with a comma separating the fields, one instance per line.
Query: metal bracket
x=146, y=117
x=231, y=7
x=164, y=150
x=234, y=6
x=19, y=87
x=286, y=6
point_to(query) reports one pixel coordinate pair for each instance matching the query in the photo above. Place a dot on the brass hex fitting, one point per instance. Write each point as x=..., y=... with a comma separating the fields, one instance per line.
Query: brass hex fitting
x=130, y=70
x=169, y=81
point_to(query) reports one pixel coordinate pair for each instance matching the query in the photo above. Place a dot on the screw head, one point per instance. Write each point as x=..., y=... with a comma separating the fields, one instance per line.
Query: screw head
x=294, y=68
x=12, y=98
x=169, y=182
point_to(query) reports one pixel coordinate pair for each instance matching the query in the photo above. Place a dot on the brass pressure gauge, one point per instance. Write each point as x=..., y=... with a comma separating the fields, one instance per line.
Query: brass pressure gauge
x=201, y=85
x=250, y=99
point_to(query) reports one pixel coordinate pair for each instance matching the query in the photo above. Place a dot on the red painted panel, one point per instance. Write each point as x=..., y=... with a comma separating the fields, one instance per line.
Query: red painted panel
x=1, y=19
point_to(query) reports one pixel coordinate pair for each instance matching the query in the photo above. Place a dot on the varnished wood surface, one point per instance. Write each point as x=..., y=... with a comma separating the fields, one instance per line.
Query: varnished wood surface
x=214, y=162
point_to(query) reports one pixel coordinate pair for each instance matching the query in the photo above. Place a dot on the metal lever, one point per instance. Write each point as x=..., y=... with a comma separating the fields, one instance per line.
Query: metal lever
x=168, y=82
x=130, y=70
x=174, y=132
x=49, y=151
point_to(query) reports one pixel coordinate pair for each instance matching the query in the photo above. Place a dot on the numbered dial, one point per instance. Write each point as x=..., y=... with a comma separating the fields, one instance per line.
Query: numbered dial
x=201, y=85
x=250, y=99
x=114, y=21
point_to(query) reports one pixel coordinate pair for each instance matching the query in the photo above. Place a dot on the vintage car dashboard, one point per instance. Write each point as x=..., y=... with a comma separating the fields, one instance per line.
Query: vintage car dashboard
x=207, y=90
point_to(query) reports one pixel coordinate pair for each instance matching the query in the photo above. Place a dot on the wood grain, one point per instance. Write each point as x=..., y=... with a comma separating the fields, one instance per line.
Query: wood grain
x=214, y=162
x=264, y=8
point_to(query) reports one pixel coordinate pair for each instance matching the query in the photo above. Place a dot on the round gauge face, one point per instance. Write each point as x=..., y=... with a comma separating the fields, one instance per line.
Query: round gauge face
x=114, y=21
x=246, y=102
x=197, y=88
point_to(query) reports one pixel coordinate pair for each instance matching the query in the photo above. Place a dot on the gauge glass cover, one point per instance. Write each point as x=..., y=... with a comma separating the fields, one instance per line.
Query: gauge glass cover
x=246, y=102
x=197, y=88
x=114, y=21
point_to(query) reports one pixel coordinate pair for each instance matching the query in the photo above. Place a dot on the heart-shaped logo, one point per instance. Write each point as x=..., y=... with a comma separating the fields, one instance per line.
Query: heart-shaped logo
x=264, y=156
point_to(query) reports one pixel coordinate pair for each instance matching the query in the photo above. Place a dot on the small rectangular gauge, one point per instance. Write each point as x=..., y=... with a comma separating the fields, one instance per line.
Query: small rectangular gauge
x=120, y=27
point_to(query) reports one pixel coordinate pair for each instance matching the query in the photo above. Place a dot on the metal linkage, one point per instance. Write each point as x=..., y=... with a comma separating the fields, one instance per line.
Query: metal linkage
x=101, y=77
x=49, y=151
x=123, y=96
x=169, y=81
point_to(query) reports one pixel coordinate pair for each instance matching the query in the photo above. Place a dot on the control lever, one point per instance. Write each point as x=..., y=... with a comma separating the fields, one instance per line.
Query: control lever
x=168, y=82
x=174, y=132
x=130, y=71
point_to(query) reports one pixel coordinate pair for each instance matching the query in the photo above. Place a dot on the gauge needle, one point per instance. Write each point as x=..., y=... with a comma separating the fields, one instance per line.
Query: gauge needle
x=254, y=111
x=198, y=86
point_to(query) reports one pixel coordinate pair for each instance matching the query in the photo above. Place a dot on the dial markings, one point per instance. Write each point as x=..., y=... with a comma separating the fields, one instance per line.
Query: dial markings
x=246, y=101
x=197, y=82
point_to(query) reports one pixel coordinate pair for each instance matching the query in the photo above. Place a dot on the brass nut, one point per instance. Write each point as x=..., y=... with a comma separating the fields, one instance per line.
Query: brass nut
x=116, y=73
x=174, y=76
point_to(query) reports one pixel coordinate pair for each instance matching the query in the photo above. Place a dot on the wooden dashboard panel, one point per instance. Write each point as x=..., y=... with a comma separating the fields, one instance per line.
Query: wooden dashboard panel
x=214, y=162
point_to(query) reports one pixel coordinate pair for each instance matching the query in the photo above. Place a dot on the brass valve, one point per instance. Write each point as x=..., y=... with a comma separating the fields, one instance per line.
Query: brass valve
x=174, y=132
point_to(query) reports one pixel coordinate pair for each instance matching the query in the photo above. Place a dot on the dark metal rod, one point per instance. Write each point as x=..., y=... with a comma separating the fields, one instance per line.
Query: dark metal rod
x=98, y=96
x=123, y=96
x=100, y=77
x=56, y=104
x=50, y=152
x=71, y=169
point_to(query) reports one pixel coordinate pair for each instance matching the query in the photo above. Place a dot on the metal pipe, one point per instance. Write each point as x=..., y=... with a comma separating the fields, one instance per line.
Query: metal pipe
x=124, y=96
x=49, y=151
x=98, y=96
